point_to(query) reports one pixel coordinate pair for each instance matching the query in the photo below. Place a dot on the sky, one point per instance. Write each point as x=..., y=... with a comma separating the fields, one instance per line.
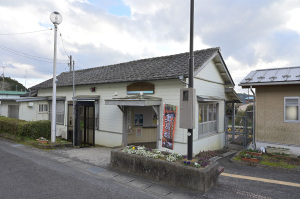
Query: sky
x=256, y=34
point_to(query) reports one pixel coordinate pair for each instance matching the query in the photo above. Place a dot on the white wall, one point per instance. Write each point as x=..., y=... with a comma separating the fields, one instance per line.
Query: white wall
x=208, y=82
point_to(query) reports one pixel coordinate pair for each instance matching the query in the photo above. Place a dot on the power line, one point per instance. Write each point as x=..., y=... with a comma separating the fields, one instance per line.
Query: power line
x=41, y=59
x=62, y=42
x=20, y=33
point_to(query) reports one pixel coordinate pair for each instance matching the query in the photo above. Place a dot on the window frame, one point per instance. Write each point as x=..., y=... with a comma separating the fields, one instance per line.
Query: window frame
x=285, y=105
x=59, y=113
x=207, y=116
x=43, y=108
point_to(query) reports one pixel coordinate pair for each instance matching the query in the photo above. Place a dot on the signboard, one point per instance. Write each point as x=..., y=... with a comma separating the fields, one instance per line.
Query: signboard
x=136, y=88
x=169, y=126
x=139, y=132
x=138, y=120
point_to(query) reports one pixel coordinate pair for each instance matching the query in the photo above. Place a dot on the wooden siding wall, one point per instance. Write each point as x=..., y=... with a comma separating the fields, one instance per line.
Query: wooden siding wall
x=270, y=125
x=210, y=83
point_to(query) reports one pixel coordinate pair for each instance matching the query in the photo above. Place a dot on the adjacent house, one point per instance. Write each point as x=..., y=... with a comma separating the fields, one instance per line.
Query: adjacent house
x=277, y=106
x=138, y=102
x=11, y=95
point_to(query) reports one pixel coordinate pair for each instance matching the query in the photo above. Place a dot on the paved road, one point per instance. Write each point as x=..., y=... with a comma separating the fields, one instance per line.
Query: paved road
x=82, y=173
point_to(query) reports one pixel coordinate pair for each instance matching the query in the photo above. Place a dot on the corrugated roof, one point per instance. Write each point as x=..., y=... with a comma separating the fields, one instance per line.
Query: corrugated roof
x=12, y=93
x=166, y=67
x=272, y=76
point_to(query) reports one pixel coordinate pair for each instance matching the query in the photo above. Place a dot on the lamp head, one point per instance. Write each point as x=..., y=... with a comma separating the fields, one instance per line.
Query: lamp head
x=55, y=18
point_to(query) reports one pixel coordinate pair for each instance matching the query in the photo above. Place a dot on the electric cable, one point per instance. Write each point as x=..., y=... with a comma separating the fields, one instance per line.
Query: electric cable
x=20, y=33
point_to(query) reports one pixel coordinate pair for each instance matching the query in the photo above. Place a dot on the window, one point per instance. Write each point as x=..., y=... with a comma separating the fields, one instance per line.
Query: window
x=291, y=109
x=96, y=114
x=43, y=108
x=13, y=111
x=207, y=118
x=60, y=112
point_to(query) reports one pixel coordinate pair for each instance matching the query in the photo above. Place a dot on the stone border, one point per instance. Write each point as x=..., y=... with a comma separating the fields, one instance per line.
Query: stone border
x=196, y=179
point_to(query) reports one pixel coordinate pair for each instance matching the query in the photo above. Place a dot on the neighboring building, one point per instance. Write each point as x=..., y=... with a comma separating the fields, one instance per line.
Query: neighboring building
x=134, y=102
x=245, y=98
x=277, y=106
x=249, y=99
x=11, y=95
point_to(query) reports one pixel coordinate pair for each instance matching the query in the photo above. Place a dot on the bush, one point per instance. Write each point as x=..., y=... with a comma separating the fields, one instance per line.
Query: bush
x=34, y=129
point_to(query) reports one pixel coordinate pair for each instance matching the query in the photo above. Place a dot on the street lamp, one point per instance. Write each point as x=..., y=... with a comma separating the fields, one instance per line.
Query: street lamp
x=56, y=19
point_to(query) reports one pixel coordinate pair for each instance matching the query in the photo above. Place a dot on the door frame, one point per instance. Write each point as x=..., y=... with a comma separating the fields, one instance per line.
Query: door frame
x=77, y=120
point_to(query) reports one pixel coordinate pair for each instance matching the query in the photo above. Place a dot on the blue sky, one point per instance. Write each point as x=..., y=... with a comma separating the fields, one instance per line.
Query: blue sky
x=251, y=34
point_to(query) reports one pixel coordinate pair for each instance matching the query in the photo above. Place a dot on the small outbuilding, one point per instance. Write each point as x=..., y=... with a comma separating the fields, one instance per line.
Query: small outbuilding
x=277, y=106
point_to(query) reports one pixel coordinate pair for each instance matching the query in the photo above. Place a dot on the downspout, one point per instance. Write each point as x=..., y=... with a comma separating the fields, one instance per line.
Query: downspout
x=254, y=99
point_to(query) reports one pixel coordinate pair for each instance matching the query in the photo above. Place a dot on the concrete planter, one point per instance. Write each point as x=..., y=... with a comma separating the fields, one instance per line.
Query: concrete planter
x=197, y=179
x=278, y=150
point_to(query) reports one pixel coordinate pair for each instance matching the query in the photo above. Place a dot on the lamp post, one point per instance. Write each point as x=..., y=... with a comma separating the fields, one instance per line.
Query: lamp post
x=56, y=19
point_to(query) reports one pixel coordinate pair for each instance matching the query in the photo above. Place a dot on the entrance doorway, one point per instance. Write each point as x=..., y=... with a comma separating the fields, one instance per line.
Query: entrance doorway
x=85, y=124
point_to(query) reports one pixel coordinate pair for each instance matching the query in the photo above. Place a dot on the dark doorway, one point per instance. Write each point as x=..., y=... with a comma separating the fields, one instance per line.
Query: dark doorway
x=85, y=124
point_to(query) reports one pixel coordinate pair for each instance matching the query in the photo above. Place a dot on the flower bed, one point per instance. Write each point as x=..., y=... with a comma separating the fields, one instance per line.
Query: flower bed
x=168, y=168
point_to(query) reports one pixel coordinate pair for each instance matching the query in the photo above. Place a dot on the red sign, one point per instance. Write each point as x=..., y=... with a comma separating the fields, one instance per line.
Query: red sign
x=169, y=126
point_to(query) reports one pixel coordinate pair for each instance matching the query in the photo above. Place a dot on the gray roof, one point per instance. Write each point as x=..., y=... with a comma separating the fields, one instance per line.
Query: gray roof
x=272, y=76
x=158, y=68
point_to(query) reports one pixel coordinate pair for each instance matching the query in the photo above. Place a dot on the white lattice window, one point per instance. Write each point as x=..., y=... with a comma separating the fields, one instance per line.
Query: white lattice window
x=43, y=108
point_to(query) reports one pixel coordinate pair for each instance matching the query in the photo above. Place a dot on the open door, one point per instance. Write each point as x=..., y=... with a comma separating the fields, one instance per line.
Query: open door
x=85, y=124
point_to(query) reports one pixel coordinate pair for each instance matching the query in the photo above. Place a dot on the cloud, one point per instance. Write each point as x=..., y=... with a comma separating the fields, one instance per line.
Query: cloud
x=251, y=34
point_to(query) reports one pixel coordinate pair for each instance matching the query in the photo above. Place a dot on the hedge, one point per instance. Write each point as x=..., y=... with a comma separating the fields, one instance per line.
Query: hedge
x=32, y=129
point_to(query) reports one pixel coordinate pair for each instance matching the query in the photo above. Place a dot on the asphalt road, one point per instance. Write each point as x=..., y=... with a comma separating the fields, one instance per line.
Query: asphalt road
x=27, y=175
x=32, y=173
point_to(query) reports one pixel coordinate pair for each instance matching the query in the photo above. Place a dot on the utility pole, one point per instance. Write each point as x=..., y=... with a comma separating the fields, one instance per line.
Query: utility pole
x=70, y=64
x=74, y=102
x=3, y=78
x=191, y=76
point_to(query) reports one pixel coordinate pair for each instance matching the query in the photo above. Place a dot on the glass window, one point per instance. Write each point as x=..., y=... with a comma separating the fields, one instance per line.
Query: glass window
x=291, y=109
x=200, y=114
x=207, y=118
x=43, y=107
x=60, y=112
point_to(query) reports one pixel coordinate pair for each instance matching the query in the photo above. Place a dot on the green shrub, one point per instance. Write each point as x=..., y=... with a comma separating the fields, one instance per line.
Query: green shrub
x=34, y=129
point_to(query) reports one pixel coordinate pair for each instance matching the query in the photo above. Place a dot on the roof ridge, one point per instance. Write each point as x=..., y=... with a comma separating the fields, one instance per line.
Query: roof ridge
x=287, y=67
x=144, y=59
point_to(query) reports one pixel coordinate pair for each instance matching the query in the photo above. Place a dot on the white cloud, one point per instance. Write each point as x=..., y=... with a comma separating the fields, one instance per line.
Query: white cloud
x=252, y=34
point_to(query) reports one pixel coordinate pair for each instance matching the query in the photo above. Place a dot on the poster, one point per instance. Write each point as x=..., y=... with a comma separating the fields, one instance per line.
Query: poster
x=138, y=120
x=139, y=132
x=169, y=126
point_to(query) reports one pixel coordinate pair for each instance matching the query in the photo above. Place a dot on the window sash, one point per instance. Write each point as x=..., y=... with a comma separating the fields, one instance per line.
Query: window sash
x=43, y=108
x=291, y=109
x=60, y=112
x=208, y=121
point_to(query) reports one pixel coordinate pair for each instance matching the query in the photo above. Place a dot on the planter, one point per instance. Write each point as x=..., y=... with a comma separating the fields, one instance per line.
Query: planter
x=250, y=159
x=197, y=179
x=253, y=153
x=42, y=141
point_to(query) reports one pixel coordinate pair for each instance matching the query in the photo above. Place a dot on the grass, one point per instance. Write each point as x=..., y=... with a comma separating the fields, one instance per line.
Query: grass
x=269, y=160
x=29, y=141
